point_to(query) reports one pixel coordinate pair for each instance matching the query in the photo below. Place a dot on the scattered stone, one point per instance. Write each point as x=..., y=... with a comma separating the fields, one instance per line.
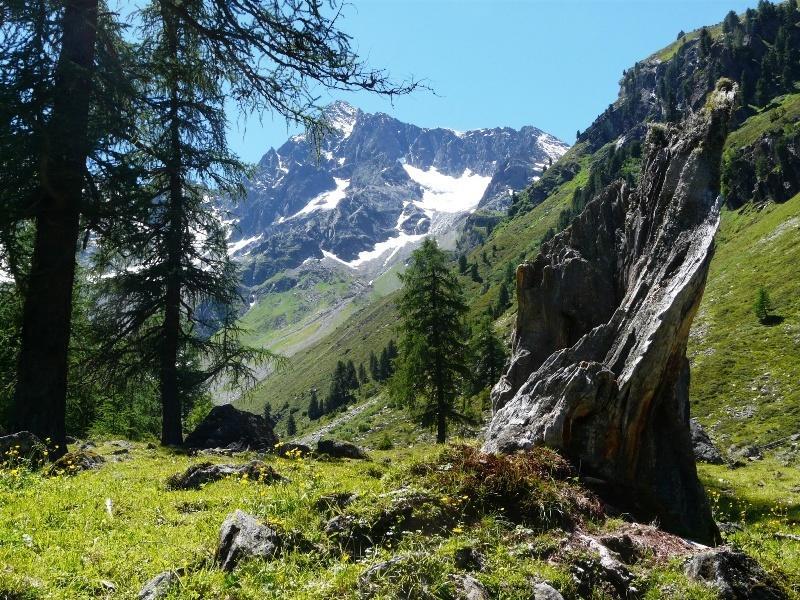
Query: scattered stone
x=337, y=501
x=350, y=533
x=704, y=449
x=544, y=591
x=602, y=571
x=158, y=587
x=469, y=559
x=87, y=445
x=340, y=449
x=243, y=536
x=151, y=446
x=226, y=426
x=735, y=575
x=71, y=440
x=124, y=444
x=22, y=445
x=469, y=588
x=120, y=452
x=387, y=570
x=199, y=474
x=73, y=463
x=292, y=450
x=624, y=546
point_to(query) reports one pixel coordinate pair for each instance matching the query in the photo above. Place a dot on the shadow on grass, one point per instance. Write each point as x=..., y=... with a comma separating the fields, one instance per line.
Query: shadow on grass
x=772, y=320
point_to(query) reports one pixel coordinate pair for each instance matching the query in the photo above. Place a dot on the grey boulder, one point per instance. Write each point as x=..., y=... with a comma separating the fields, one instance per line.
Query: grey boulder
x=21, y=445
x=228, y=427
x=544, y=591
x=340, y=449
x=199, y=474
x=158, y=587
x=243, y=536
x=735, y=575
x=702, y=446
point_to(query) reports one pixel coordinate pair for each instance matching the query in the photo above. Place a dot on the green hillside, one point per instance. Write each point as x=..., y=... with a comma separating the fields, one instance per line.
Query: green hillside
x=744, y=373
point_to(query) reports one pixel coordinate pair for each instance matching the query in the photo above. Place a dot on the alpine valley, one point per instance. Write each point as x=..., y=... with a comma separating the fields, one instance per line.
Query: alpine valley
x=325, y=226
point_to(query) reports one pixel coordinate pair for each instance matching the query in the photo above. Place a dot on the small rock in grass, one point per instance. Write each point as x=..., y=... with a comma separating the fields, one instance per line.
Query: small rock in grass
x=469, y=559
x=469, y=588
x=735, y=575
x=292, y=450
x=197, y=475
x=243, y=536
x=704, y=449
x=340, y=449
x=21, y=446
x=158, y=587
x=544, y=591
x=369, y=579
x=73, y=463
x=335, y=501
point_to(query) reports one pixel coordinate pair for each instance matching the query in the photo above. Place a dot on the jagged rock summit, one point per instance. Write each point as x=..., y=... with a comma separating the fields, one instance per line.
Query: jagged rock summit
x=375, y=187
x=599, y=368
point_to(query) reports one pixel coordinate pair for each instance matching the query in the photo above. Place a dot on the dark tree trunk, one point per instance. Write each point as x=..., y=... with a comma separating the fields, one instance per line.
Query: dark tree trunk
x=441, y=423
x=41, y=392
x=171, y=427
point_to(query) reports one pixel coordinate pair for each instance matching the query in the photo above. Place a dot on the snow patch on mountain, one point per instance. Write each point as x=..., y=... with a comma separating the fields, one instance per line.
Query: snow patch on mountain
x=326, y=200
x=236, y=247
x=443, y=193
x=553, y=147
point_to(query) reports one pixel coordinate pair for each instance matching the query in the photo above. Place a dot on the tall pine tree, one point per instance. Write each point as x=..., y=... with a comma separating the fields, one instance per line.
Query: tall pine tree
x=433, y=352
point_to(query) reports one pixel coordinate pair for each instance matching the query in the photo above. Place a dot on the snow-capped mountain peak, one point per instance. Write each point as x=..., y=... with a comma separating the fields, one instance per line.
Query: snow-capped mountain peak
x=341, y=117
x=375, y=188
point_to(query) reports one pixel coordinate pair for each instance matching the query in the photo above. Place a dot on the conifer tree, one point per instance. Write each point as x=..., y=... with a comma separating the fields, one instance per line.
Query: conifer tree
x=374, y=367
x=432, y=362
x=362, y=374
x=384, y=365
x=462, y=263
x=314, y=412
x=487, y=354
x=763, y=305
x=291, y=425
x=64, y=146
x=178, y=281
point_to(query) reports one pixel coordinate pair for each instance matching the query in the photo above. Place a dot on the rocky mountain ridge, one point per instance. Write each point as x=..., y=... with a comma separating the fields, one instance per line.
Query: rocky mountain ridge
x=373, y=188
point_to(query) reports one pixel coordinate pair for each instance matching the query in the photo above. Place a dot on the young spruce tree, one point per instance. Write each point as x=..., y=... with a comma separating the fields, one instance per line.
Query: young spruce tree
x=432, y=361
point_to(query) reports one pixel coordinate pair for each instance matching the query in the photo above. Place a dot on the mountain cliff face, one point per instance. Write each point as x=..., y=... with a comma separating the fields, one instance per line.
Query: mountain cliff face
x=375, y=187
x=599, y=368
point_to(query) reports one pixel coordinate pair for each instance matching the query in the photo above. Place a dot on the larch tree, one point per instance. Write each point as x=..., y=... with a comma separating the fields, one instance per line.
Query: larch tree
x=177, y=286
x=432, y=363
x=487, y=355
x=60, y=141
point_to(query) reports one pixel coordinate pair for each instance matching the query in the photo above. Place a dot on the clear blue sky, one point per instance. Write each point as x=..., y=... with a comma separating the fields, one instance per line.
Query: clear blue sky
x=554, y=64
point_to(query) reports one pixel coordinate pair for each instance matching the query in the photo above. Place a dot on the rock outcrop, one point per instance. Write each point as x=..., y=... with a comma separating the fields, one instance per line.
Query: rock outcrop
x=197, y=475
x=599, y=368
x=702, y=446
x=340, y=449
x=228, y=427
x=22, y=445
